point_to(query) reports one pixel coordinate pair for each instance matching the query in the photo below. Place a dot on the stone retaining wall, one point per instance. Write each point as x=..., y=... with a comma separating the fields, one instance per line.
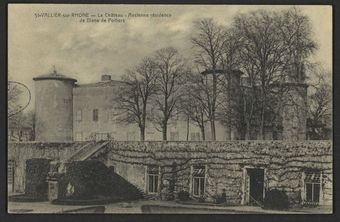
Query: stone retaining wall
x=20, y=152
x=284, y=163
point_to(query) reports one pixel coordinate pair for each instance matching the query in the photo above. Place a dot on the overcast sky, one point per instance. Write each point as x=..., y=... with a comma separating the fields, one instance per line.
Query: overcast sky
x=85, y=51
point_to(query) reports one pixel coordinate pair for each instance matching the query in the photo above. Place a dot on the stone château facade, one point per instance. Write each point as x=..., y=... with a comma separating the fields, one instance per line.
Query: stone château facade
x=66, y=111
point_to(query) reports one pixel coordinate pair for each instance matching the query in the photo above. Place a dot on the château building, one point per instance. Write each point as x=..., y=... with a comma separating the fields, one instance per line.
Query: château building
x=77, y=122
x=69, y=111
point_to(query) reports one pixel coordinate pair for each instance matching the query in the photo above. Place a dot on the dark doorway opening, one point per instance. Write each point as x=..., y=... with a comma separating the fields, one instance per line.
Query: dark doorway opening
x=256, y=185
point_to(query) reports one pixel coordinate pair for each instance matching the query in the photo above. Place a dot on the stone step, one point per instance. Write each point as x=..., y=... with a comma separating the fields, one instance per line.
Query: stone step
x=87, y=151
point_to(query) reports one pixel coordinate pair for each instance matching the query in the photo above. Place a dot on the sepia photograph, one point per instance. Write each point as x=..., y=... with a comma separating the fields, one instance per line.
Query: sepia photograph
x=170, y=109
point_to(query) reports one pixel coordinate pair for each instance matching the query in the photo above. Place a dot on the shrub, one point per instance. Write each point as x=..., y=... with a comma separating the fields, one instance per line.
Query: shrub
x=276, y=199
x=201, y=199
x=221, y=198
x=173, y=180
x=183, y=195
x=36, y=174
x=88, y=178
x=124, y=189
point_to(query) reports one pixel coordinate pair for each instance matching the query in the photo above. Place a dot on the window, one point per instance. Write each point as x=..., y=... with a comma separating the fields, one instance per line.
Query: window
x=198, y=180
x=131, y=136
x=152, y=178
x=79, y=137
x=174, y=136
x=95, y=115
x=10, y=175
x=312, y=187
x=79, y=115
x=195, y=136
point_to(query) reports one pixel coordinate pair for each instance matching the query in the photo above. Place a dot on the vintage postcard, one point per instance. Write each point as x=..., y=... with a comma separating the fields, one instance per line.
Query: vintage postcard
x=197, y=109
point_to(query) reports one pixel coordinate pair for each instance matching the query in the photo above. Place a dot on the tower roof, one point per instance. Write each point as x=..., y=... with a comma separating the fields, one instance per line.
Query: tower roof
x=103, y=84
x=54, y=75
x=208, y=71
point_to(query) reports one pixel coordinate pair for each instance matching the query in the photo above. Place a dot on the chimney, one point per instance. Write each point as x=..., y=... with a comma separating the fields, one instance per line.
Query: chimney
x=106, y=78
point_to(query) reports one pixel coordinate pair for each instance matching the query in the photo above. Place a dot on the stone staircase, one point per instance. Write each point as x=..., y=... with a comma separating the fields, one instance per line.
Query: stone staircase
x=146, y=196
x=91, y=148
x=87, y=151
x=128, y=188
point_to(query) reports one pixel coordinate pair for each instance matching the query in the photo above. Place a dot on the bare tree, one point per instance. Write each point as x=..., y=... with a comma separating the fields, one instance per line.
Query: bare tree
x=230, y=106
x=170, y=79
x=319, y=122
x=294, y=29
x=192, y=105
x=320, y=112
x=230, y=103
x=262, y=51
x=267, y=55
x=208, y=41
x=22, y=123
x=230, y=52
x=133, y=97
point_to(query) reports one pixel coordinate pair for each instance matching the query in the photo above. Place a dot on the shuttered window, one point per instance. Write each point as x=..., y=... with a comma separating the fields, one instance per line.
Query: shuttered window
x=312, y=187
x=198, y=176
x=152, y=176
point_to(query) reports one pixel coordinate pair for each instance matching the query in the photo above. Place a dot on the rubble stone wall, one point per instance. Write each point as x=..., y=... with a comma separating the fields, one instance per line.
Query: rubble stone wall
x=20, y=152
x=284, y=163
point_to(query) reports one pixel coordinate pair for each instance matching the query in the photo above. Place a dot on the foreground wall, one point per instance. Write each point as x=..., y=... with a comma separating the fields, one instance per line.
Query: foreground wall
x=284, y=164
x=20, y=152
x=226, y=164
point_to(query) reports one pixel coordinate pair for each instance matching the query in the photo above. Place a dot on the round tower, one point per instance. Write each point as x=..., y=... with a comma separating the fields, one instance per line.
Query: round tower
x=294, y=111
x=53, y=107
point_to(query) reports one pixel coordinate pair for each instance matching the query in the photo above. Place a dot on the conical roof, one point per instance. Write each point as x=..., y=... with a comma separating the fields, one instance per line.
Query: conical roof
x=54, y=75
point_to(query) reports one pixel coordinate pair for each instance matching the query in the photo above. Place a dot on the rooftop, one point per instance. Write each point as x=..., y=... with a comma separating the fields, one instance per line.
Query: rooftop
x=102, y=84
x=54, y=75
x=219, y=71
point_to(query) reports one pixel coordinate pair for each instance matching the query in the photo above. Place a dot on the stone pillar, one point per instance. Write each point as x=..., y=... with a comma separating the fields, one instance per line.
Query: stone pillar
x=56, y=181
x=53, y=190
